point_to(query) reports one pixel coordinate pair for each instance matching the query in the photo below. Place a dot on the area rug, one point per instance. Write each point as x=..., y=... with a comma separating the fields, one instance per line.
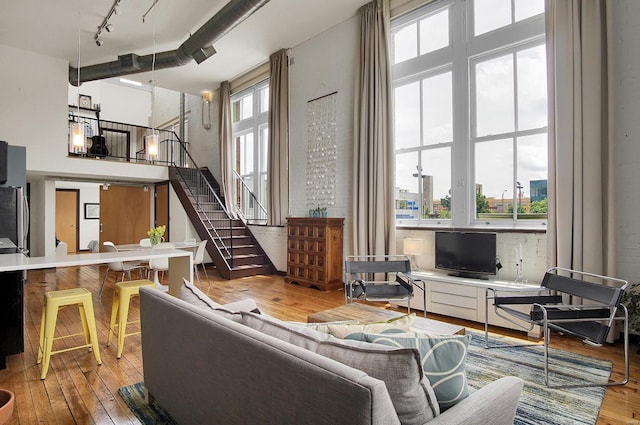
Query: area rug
x=538, y=403
x=147, y=413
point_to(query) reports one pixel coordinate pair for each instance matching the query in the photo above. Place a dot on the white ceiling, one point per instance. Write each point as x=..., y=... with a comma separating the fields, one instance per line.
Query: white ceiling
x=51, y=28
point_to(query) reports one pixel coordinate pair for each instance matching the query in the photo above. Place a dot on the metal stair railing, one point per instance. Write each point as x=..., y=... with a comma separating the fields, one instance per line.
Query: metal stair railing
x=247, y=202
x=206, y=202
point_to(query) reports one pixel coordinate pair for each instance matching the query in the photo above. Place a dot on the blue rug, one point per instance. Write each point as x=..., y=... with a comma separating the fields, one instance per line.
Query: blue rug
x=147, y=413
x=539, y=404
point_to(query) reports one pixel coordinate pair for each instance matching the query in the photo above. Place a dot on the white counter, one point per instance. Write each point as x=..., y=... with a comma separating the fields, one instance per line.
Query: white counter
x=180, y=262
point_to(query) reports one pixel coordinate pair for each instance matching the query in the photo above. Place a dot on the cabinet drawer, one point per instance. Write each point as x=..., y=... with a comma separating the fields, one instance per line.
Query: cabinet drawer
x=454, y=311
x=454, y=300
x=454, y=289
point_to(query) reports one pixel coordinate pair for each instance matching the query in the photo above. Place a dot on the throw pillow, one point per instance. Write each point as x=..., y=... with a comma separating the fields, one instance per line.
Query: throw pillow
x=443, y=362
x=399, y=368
x=357, y=330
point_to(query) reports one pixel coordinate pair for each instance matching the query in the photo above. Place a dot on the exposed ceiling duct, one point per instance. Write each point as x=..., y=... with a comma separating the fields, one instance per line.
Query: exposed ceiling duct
x=197, y=47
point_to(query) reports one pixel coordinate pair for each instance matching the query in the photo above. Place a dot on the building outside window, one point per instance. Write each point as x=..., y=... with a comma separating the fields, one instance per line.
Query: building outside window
x=250, y=128
x=470, y=113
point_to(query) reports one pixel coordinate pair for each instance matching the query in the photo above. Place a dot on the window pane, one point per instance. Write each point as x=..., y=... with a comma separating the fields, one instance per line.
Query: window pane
x=489, y=15
x=407, y=198
x=407, y=115
x=532, y=88
x=437, y=103
x=494, y=96
x=264, y=149
x=528, y=8
x=405, y=43
x=246, y=153
x=494, y=175
x=436, y=164
x=532, y=173
x=434, y=32
x=264, y=99
x=246, y=107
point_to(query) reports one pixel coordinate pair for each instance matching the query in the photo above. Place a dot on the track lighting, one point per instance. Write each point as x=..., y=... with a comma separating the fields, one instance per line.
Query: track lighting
x=105, y=25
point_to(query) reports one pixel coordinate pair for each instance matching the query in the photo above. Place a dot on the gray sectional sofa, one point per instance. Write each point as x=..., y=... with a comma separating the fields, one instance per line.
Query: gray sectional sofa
x=207, y=366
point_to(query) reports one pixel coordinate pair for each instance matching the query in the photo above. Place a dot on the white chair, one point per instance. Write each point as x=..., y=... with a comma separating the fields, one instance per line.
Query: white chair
x=118, y=266
x=160, y=264
x=198, y=259
x=62, y=248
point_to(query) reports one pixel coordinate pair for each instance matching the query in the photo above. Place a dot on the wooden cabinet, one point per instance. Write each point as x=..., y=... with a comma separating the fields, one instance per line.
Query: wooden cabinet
x=314, y=252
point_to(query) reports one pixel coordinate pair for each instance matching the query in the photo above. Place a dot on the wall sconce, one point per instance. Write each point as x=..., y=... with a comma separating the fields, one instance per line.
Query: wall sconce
x=206, y=109
x=76, y=138
x=413, y=247
x=152, y=147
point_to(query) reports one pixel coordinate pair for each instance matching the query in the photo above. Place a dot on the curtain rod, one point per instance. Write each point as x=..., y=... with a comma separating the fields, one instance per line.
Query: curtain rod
x=318, y=98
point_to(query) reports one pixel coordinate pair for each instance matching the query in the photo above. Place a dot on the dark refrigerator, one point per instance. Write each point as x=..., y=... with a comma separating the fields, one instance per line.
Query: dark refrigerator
x=13, y=213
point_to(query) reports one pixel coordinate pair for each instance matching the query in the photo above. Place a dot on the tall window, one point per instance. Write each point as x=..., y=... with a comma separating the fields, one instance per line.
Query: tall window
x=250, y=125
x=470, y=113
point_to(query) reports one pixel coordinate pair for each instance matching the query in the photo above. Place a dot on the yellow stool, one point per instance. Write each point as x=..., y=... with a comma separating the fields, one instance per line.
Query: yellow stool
x=122, y=295
x=52, y=302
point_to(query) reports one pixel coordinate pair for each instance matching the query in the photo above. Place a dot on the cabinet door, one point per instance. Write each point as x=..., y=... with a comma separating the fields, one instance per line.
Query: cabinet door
x=11, y=315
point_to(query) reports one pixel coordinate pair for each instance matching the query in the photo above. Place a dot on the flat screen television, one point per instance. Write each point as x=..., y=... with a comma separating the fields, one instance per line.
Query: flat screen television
x=466, y=254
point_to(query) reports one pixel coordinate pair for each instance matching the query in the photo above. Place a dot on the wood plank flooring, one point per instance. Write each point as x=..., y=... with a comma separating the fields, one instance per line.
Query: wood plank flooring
x=78, y=391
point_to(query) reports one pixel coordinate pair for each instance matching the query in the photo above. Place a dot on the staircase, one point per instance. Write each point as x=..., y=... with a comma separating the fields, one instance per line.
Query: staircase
x=232, y=247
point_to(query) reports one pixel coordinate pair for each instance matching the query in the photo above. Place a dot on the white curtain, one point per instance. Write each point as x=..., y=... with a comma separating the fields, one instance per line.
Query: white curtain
x=277, y=167
x=374, y=159
x=226, y=147
x=582, y=205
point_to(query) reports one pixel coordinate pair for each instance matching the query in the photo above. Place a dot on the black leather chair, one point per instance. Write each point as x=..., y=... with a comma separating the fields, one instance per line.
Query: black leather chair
x=571, y=302
x=380, y=278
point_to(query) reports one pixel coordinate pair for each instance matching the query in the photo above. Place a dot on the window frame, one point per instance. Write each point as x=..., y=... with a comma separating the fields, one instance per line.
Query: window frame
x=463, y=52
x=255, y=124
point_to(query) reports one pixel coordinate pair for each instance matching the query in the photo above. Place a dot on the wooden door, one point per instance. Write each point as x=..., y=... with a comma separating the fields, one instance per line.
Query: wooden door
x=125, y=213
x=162, y=207
x=67, y=218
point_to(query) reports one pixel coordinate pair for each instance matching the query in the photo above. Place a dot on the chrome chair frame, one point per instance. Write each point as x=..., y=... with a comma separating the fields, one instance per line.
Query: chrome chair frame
x=589, y=321
x=363, y=280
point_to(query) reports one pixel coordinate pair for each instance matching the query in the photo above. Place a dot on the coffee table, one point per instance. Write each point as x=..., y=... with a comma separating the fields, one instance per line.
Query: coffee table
x=365, y=312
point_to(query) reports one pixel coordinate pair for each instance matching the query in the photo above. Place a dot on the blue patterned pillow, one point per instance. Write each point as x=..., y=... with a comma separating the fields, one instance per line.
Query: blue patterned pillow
x=443, y=362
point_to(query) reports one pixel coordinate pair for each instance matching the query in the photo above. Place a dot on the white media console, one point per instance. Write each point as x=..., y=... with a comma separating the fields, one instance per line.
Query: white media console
x=464, y=298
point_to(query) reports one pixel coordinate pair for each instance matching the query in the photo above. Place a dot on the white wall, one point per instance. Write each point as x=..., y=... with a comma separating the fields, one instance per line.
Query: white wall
x=533, y=245
x=627, y=65
x=109, y=95
x=323, y=65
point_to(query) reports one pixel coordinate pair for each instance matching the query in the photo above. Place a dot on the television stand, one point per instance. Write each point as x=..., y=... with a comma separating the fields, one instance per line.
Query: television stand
x=464, y=297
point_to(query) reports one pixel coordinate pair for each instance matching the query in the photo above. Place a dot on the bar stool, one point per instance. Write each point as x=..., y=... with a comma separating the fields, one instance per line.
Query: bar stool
x=53, y=301
x=122, y=294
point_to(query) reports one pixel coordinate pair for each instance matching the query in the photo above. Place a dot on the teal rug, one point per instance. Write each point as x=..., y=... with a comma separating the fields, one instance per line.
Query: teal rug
x=539, y=404
x=148, y=414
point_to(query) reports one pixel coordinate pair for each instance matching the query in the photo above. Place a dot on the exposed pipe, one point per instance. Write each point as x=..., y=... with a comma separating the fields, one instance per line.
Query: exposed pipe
x=197, y=47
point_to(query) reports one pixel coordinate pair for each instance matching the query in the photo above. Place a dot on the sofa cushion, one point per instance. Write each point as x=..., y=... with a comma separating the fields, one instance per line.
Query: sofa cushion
x=443, y=362
x=399, y=368
x=191, y=294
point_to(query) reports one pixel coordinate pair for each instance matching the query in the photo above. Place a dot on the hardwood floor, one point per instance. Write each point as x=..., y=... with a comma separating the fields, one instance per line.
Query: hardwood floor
x=77, y=391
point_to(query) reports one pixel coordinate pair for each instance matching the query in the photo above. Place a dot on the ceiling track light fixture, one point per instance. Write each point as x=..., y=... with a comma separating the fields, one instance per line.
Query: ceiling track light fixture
x=105, y=25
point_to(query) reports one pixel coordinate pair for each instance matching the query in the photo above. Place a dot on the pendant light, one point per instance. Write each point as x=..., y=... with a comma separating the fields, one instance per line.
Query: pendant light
x=153, y=138
x=77, y=141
